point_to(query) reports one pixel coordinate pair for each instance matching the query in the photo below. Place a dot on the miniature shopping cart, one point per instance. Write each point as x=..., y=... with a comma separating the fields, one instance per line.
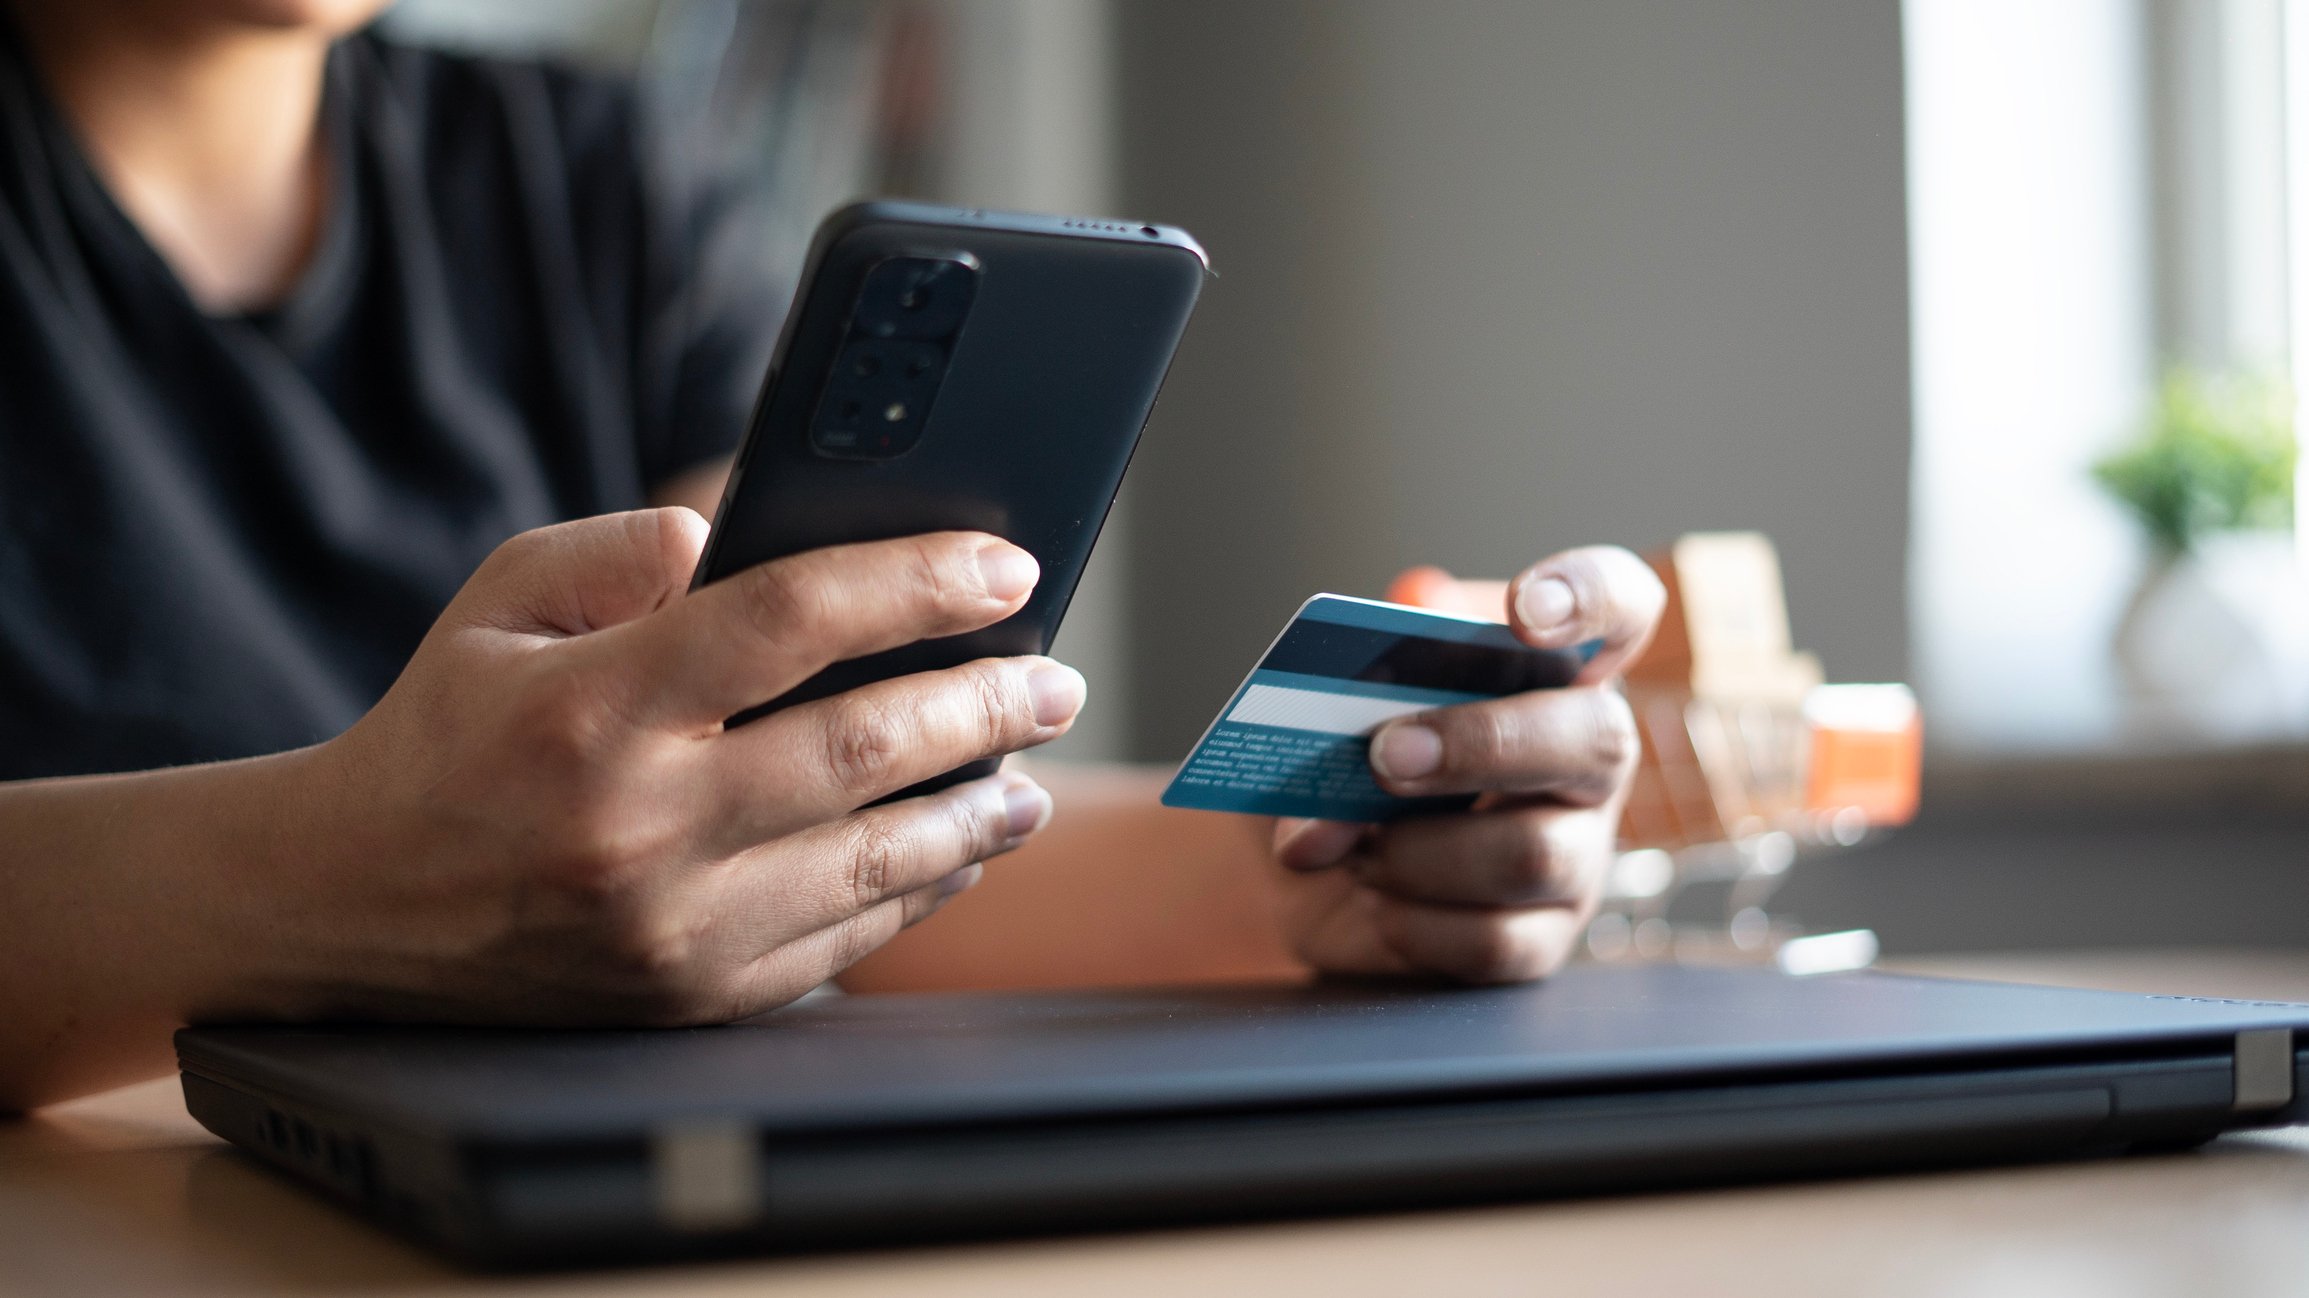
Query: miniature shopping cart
x=1750, y=763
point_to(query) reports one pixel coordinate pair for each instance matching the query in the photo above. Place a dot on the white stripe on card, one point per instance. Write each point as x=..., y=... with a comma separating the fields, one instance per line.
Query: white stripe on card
x=1333, y=714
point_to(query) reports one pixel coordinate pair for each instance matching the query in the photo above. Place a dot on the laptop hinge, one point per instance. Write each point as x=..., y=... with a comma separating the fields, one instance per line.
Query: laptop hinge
x=2264, y=1069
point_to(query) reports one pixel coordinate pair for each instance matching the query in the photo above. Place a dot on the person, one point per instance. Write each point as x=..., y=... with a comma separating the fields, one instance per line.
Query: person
x=357, y=410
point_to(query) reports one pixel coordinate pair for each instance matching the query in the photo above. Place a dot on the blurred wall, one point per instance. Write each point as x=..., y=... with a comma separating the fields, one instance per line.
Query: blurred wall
x=1497, y=278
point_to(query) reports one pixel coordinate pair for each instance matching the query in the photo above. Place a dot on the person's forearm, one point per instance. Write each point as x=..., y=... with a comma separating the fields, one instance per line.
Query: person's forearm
x=126, y=905
x=1118, y=890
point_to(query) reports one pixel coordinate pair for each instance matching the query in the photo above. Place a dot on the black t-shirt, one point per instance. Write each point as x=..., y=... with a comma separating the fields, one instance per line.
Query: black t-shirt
x=222, y=536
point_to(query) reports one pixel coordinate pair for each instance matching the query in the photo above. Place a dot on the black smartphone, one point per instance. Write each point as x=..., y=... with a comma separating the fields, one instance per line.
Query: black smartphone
x=949, y=368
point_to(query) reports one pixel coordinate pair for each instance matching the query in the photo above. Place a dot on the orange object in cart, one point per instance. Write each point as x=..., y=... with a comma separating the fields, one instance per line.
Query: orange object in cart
x=1867, y=745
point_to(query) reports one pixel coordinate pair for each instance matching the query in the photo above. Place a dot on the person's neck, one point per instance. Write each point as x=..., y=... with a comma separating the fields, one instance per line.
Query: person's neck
x=206, y=134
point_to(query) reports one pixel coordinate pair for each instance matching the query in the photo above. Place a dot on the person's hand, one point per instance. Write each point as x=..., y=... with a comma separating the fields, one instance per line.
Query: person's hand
x=545, y=821
x=1500, y=892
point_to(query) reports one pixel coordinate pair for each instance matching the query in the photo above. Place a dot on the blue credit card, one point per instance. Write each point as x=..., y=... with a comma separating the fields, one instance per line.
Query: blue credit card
x=1295, y=740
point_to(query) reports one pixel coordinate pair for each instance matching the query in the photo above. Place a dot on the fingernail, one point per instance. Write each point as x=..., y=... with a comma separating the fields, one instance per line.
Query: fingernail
x=961, y=880
x=1406, y=752
x=1545, y=604
x=1027, y=806
x=1058, y=692
x=1009, y=572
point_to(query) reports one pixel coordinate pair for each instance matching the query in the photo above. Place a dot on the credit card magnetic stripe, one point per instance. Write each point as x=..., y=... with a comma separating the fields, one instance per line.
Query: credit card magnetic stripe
x=1481, y=660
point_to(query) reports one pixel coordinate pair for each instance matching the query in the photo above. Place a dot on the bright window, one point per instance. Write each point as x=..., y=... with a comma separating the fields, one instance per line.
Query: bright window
x=2095, y=191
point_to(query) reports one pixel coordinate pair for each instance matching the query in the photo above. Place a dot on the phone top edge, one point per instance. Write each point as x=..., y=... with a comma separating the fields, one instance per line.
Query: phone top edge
x=1110, y=229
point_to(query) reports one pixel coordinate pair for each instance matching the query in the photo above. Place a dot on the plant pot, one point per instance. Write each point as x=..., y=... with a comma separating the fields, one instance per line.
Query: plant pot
x=2214, y=645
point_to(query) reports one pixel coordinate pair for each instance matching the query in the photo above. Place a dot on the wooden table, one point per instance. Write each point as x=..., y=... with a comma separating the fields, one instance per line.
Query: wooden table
x=124, y=1194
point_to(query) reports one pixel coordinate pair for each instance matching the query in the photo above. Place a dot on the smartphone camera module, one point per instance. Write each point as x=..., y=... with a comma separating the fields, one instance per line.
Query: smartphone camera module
x=893, y=358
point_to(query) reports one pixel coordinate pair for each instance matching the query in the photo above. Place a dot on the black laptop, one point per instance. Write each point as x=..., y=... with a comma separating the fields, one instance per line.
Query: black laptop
x=868, y=1120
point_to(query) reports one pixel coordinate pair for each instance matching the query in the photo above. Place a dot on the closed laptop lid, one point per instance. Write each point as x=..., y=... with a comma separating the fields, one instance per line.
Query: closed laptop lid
x=846, y=1063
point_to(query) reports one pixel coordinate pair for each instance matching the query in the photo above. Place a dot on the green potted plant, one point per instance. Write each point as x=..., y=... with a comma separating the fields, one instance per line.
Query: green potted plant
x=2214, y=456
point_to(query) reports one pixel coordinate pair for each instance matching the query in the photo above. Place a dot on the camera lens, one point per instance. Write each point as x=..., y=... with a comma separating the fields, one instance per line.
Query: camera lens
x=915, y=299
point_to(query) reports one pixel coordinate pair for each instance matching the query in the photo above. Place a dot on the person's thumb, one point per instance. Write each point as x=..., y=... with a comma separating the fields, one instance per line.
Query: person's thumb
x=583, y=576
